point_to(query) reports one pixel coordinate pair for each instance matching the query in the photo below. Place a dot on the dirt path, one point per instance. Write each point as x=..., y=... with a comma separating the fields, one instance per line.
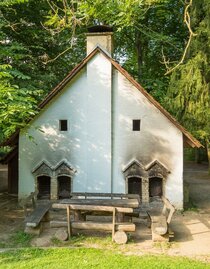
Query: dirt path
x=11, y=217
x=191, y=228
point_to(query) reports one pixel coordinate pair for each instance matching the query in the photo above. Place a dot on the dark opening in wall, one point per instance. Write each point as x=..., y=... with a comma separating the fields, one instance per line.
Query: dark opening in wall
x=43, y=184
x=63, y=125
x=134, y=186
x=64, y=187
x=136, y=125
x=155, y=187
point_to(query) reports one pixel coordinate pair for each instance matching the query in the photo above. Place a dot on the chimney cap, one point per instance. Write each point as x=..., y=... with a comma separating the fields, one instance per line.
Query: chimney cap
x=100, y=29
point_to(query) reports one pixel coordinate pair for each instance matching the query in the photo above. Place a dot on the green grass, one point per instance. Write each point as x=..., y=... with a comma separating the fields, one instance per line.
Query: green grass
x=17, y=239
x=81, y=240
x=76, y=258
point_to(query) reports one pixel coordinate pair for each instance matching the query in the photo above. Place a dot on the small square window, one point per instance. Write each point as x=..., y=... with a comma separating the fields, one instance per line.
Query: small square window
x=63, y=125
x=136, y=125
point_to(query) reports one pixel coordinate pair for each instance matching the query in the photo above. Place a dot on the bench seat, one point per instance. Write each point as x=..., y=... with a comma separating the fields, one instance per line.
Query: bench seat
x=33, y=221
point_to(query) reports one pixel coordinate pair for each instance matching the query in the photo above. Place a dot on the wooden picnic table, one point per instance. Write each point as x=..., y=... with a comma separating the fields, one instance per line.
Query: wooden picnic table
x=113, y=206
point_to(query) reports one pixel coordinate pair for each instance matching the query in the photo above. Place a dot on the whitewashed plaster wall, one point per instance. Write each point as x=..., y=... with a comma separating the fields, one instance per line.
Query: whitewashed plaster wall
x=158, y=138
x=86, y=104
x=100, y=105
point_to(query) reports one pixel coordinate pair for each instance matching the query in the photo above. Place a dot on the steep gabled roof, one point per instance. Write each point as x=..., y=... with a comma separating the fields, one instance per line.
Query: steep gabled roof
x=189, y=139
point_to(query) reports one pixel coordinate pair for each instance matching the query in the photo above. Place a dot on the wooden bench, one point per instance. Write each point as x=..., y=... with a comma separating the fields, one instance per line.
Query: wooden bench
x=34, y=220
x=160, y=220
x=121, y=228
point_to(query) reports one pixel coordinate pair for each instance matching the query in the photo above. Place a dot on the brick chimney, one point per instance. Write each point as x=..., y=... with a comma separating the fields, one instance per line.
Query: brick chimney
x=100, y=35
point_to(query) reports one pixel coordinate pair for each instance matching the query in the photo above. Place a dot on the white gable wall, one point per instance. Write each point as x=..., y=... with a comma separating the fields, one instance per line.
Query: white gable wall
x=100, y=141
x=86, y=104
x=158, y=138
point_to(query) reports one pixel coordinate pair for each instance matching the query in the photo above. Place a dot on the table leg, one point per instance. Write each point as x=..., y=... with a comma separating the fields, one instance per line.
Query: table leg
x=68, y=221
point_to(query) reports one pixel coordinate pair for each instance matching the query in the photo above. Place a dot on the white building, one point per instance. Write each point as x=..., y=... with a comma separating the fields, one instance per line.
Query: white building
x=101, y=132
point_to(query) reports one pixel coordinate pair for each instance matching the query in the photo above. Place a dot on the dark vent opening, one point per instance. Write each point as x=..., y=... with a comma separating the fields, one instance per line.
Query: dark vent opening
x=100, y=29
x=64, y=187
x=134, y=186
x=155, y=187
x=136, y=125
x=63, y=125
x=43, y=187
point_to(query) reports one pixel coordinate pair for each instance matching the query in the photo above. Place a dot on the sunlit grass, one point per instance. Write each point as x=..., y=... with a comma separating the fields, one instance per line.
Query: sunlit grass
x=90, y=258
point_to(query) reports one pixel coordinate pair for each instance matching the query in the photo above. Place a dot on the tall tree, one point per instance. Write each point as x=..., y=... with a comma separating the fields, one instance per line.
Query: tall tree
x=142, y=28
x=188, y=94
x=27, y=50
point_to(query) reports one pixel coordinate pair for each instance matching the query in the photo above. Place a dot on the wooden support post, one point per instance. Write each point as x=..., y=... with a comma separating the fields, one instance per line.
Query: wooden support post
x=68, y=221
x=33, y=202
x=25, y=210
x=170, y=215
x=113, y=223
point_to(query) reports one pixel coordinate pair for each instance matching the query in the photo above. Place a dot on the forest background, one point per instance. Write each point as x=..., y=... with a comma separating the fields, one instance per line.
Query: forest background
x=163, y=44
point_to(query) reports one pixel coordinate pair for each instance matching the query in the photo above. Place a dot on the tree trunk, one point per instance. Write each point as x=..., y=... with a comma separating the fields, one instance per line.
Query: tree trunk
x=139, y=54
x=208, y=153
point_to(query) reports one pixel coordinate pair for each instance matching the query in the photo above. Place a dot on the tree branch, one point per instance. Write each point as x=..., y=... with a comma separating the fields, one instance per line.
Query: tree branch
x=188, y=23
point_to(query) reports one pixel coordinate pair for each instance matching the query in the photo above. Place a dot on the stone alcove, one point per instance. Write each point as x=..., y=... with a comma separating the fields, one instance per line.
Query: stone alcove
x=63, y=185
x=147, y=181
x=53, y=182
x=43, y=173
x=157, y=175
x=134, y=174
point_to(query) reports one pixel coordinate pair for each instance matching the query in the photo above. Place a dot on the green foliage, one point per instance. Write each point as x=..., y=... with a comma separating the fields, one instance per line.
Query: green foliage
x=41, y=43
x=141, y=29
x=90, y=258
x=26, y=47
x=21, y=239
x=188, y=94
x=16, y=105
x=11, y=2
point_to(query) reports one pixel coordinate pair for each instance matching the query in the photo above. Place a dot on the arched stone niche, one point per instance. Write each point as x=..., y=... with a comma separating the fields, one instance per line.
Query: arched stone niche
x=41, y=171
x=156, y=169
x=156, y=172
x=63, y=168
x=136, y=169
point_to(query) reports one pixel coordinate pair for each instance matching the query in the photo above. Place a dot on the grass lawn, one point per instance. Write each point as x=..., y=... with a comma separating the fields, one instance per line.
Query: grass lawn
x=89, y=258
